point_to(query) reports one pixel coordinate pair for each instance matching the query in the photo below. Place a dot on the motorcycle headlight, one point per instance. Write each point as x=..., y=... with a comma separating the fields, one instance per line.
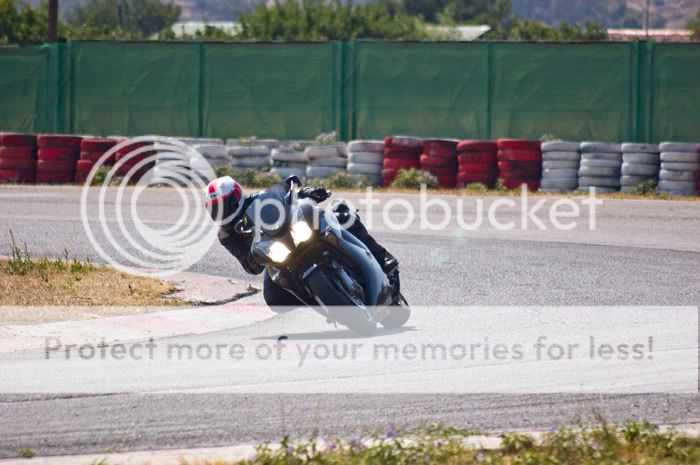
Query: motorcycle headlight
x=278, y=252
x=301, y=232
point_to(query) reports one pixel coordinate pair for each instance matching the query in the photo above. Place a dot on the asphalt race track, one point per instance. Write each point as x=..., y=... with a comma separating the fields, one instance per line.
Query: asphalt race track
x=641, y=253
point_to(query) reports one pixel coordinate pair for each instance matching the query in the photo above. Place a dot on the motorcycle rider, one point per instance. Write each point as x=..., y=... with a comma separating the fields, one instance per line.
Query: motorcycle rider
x=225, y=200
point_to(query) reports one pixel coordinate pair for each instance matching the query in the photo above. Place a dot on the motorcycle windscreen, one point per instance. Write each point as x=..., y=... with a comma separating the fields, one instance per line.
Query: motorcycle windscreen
x=268, y=211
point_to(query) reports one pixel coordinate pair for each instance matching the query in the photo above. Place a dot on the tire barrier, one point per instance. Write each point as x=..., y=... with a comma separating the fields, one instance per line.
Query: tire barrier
x=366, y=158
x=17, y=158
x=202, y=141
x=249, y=157
x=57, y=158
x=91, y=150
x=600, y=167
x=325, y=160
x=400, y=152
x=519, y=162
x=477, y=163
x=289, y=161
x=560, y=165
x=439, y=158
x=640, y=163
x=213, y=156
x=680, y=165
x=131, y=155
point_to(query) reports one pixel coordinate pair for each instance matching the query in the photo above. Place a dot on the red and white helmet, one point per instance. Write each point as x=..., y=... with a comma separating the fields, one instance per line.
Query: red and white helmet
x=224, y=199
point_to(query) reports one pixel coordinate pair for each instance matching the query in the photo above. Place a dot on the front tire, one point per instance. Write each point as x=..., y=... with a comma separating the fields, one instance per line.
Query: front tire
x=399, y=314
x=331, y=293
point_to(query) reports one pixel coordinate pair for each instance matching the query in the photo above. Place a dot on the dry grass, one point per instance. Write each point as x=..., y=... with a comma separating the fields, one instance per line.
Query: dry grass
x=58, y=284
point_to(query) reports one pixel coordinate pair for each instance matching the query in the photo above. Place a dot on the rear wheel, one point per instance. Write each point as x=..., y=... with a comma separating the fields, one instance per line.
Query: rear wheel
x=399, y=313
x=332, y=293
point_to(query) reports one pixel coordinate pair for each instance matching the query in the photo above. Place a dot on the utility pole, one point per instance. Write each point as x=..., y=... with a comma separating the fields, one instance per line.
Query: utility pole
x=53, y=21
x=646, y=20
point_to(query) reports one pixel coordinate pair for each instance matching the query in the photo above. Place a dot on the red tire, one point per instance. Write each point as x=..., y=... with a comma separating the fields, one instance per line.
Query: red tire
x=477, y=157
x=55, y=166
x=403, y=144
x=53, y=154
x=443, y=148
x=526, y=167
x=54, y=178
x=468, y=178
x=516, y=176
x=532, y=185
x=94, y=156
x=398, y=163
x=59, y=141
x=518, y=144
x=17, y=164
x=440, y=162
x=84, y=165
x=96, y=144
x=447, y=182
x=17, y=152
x=13, y=139
x=477, y=146
x=520, y=155
x=388, y=176
x=402, y=155
x=440, y=171
x=19, y=176
x=478, y=168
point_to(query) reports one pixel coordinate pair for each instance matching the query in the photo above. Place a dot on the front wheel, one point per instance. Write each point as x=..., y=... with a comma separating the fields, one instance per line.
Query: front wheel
x=342, y=306
x=399, y=313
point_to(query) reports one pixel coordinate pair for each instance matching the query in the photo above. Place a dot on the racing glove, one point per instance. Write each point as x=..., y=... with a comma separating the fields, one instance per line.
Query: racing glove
x=317, y=194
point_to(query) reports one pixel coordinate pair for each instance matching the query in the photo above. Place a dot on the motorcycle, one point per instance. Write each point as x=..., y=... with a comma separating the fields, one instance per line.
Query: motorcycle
x=308, y=253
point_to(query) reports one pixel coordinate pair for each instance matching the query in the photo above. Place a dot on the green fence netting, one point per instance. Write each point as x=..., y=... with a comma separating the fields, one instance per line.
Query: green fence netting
x=604, y=91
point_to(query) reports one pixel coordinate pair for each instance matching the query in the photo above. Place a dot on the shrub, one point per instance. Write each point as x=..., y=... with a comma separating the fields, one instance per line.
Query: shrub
x=414, y=179
x=645, y=188
x=341, y=180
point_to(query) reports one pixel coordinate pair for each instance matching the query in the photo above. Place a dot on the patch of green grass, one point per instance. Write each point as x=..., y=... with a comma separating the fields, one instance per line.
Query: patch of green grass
x=476, y=188
x=26, y=453
x=100, y=176
x=413, y=179
x=631, y=444
x=22, y=263
x=340, y=180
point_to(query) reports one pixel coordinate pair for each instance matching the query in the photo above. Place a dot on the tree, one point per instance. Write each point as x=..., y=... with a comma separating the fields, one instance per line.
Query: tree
x=299, y=20
x=694, y=26
x=122, y=18
x=22, y=24
x=526, y=29
x=456, y=11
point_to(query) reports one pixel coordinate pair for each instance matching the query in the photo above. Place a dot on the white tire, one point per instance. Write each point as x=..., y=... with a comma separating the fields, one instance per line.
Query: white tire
x=627, y=180
x=643, y=158
x=201, y=141
x=559, y=146
x=321, y=171
x=269, y=143
x=559, y=173
x=286, y=172
x=629, y=147
x=373, y=146
x=600, y=164
x=599, y=172
x=667, y=175
x=599, y=189
x=336, y=162
x=250, y=162
x=212, y=151
x=249, y=152
x=366, y=157
x=635, y=169
x=680, y=157
x=587, y=181
x=561, y=156
x=565, y=184
x=326, y=151
x=600, y=147
x=364, y=168
x=288, y=155
x=678, y=147
x=673, y=166
x=558, y=164
x=602, y=156
x=686, y=186
x=288, y=164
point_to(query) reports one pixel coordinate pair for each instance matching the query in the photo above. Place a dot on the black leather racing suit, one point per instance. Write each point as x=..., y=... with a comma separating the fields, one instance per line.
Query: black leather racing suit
x=238, y=245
